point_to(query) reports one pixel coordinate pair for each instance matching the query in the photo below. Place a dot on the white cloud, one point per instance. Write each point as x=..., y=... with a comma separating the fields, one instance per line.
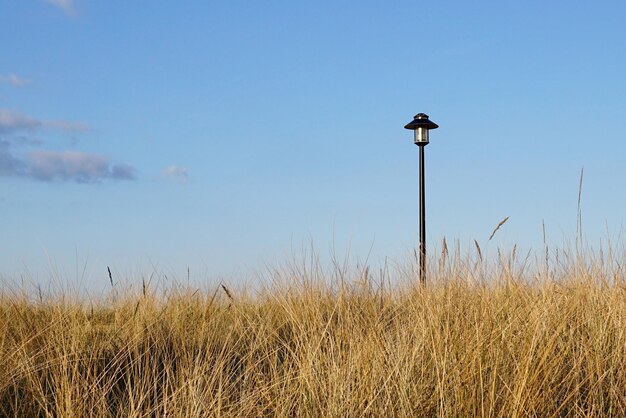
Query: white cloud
x=68, y=165
x=66, y=5
x=16, y=139
x=175, y=174
x=123, y=172
x=12, y=121
x=67, y=126
x=45, y=165
x=13, y=80
x=9, y=164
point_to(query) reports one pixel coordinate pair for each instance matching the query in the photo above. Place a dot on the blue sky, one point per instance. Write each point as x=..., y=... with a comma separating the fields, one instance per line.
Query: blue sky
x=223, y=136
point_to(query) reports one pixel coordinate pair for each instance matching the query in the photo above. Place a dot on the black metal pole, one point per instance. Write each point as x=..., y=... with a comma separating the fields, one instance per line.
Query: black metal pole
x=422, y=218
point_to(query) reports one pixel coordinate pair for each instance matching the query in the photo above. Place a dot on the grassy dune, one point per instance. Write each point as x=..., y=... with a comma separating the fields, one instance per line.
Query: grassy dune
x=500, y=337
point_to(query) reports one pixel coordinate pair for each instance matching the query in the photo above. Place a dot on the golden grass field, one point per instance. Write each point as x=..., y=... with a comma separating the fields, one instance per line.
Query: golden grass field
x=501, y=337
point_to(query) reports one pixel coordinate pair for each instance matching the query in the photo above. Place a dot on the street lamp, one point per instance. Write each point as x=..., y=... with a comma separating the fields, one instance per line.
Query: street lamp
x=420, y=125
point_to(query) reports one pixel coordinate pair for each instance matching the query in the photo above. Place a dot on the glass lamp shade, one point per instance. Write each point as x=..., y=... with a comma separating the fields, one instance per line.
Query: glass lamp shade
x=421, y=135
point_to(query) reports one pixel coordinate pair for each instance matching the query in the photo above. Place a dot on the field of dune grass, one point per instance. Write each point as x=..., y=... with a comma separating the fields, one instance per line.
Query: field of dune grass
x=503, y=336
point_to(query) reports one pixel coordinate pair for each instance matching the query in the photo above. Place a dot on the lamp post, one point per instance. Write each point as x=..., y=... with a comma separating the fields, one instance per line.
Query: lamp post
x=420, y=125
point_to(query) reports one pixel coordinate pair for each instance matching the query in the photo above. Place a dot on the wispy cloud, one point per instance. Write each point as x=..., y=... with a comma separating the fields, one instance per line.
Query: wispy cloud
x=22, y=140
x=123, y=172
x=16, y=160
x=80, y=167
x=12, y=121
x=66, y=5
x=175, y=174
x=67, y=126
x=68, y=166
x=13, y=80
x=9, y=165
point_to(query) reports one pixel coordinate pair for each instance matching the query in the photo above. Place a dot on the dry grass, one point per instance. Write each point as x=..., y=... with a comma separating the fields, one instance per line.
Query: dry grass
x=501, y=339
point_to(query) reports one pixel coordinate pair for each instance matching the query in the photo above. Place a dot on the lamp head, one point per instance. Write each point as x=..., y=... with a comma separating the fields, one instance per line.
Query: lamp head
x=421, y=125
